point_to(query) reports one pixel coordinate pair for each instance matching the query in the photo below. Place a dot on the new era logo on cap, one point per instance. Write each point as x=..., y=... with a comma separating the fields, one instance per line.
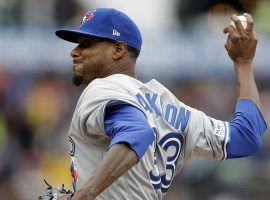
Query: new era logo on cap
x=116, y=33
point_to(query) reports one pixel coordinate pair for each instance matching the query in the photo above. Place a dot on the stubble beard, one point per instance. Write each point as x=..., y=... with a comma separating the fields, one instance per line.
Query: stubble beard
x=77, y=79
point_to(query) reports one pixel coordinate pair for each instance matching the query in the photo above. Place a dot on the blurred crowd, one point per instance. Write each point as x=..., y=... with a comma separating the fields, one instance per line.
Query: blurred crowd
x=36, y=109
x=35, y=113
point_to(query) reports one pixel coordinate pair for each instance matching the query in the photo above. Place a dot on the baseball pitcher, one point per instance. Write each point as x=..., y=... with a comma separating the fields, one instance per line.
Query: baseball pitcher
x=130, y=139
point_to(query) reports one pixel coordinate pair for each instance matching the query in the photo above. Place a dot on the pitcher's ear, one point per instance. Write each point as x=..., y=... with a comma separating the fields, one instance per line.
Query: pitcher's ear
x=120, y=49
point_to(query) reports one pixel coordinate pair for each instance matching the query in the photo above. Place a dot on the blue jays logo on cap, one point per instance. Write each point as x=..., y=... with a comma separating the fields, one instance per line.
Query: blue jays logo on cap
x=89, y=15
x=105, y=23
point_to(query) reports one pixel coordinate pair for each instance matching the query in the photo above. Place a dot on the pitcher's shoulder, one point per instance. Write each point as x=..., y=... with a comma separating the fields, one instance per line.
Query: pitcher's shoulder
x=113, y=88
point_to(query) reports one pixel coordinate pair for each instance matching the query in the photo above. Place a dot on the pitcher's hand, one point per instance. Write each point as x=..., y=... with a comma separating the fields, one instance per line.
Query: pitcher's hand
x=241, y=43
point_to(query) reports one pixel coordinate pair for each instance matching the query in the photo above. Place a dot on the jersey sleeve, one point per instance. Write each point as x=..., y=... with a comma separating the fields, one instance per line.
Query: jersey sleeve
x=127, y=124
x=206, y=136
x=220, y=140
x=246, y=130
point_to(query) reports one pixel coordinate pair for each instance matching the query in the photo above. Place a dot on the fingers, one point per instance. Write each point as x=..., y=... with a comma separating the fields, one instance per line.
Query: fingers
x=228, y=43
x=228, y=29
x=238, y=25
x=249, y=23
x=233, y=35
x=237, y=22
x=255, y=36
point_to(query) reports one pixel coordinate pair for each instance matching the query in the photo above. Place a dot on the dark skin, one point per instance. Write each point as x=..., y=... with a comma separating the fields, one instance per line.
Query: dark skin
x=241, y=47
x=97, y=58
x=104, y=58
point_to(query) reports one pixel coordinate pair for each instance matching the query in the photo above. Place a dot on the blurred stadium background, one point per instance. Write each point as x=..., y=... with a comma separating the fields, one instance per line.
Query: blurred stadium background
x=183, y=48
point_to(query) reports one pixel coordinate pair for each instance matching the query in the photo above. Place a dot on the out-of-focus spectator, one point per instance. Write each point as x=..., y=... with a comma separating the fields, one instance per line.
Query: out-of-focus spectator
x=17, y=134
x=190, y=11
x=72, y=14
x=262, y=14
x=44, y=104
x=11, y=12
x=39, y=13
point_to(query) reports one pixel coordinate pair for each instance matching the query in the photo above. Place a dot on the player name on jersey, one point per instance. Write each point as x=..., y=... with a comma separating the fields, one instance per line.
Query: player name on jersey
x=176, y=117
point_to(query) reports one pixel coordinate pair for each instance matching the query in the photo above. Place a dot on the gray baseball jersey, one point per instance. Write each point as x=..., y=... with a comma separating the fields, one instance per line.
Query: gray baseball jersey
x=180, y=133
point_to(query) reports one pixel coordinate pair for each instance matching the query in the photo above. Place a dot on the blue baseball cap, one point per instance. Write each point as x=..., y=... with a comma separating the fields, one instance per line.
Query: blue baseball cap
x=105, y=23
